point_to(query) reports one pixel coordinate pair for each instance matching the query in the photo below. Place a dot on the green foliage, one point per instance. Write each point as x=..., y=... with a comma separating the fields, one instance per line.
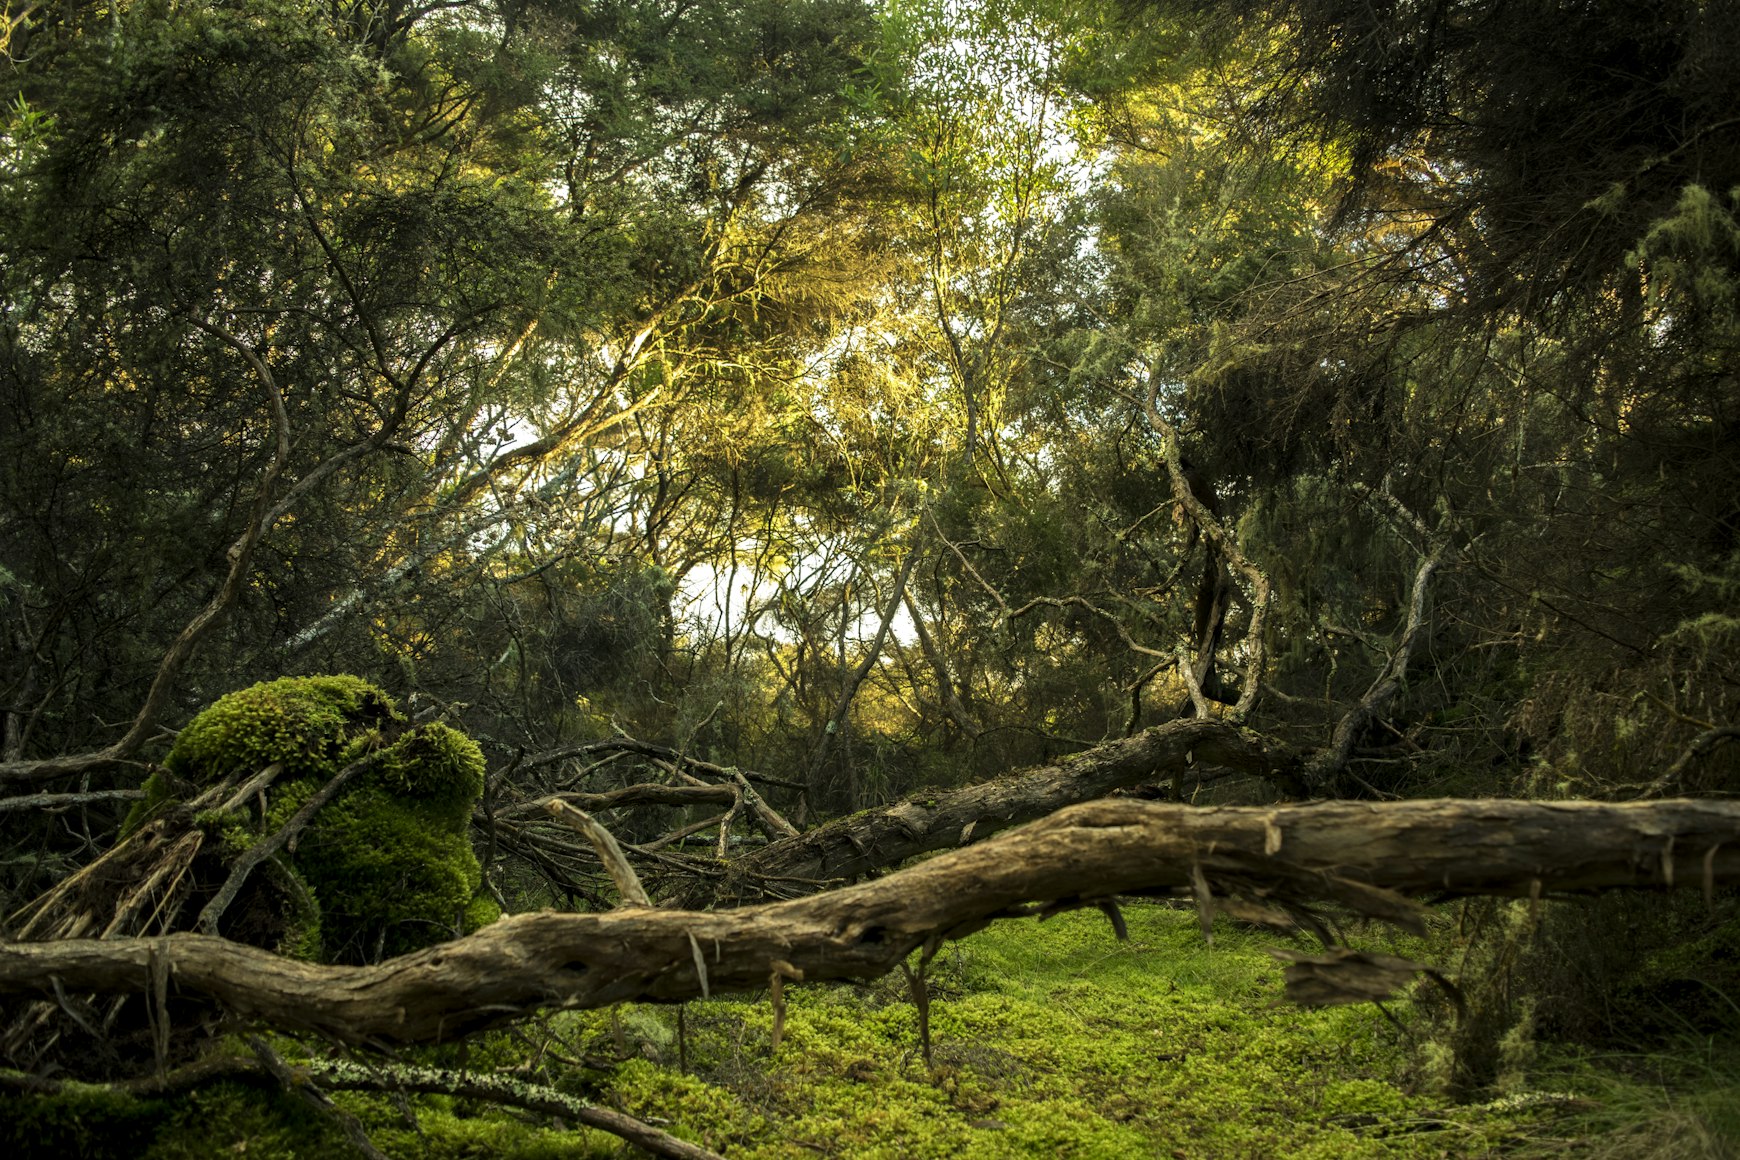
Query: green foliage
x=242, y=1117
x=388, y=875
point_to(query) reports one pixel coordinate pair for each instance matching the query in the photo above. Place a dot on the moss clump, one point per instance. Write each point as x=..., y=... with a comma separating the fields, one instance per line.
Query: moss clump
x=437, y=768
x=386, y=866
x=302, y=723
x=89, y=1122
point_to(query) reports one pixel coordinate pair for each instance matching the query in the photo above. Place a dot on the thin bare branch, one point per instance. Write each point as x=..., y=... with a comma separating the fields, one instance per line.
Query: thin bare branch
x=627, y=881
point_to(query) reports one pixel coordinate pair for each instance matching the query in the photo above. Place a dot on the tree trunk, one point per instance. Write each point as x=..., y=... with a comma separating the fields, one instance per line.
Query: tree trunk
x=1364, y=855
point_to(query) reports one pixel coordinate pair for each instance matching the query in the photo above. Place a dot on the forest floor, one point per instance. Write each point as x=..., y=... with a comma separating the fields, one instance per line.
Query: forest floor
x=1049, y=1040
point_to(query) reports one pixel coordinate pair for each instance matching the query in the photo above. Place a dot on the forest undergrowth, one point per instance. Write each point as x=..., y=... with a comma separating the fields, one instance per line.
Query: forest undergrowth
x=1048, y=1039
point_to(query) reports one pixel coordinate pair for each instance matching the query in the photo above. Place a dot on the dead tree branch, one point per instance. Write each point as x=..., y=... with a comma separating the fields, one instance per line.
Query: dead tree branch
x=628, y=885
x=1365, y=854
x=1326, y=767
x=61, y=801
x=852, y=846
x=1256, y=583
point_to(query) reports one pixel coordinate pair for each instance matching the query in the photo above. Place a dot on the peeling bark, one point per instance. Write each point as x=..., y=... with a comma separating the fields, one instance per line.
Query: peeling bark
x=1367, y=855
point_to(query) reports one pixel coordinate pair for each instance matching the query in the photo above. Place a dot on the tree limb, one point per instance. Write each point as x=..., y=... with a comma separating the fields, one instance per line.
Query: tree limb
x=1256, y=583
x=627, y=881
x=60, y=801
x=871, y=840
x=1326, y=767
x=1701, y=745
x=1364, y=854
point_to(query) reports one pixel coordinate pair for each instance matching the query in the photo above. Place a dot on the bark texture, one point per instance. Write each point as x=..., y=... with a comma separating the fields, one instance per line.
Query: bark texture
x=1367, y=855
x=851, y=847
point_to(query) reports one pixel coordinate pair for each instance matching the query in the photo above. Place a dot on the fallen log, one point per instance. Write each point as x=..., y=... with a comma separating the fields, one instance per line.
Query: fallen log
x=1365, y=855
x=850, y=847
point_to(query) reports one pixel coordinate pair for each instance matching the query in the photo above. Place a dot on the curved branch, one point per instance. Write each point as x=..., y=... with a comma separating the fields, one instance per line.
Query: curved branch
x=1366, y=855
x=1324, y=768
x=1703, y=744
x=239, y=555
x=1256, y=583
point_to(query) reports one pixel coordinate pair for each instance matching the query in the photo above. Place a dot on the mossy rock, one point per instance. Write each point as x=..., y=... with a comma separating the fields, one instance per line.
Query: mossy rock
x=387, y=865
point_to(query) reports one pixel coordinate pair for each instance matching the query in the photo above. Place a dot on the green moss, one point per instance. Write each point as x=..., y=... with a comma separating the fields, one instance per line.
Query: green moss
x=244, y=1119
x=224, y=1118
x=442, y=1135
x=390, y=874
x=304, y=934
x=438, y=767
x=303, y=723
x=1049, y=1040
x=91, y=1123
x=227, y=832
x=386, y=866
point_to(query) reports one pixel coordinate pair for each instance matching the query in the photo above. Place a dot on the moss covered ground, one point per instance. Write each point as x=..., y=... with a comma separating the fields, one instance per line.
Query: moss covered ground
x=1056, y=1040
x=1050, y=1040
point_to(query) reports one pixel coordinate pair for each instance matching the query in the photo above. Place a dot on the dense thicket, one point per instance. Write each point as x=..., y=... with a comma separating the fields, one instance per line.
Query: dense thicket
x=871, y=400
